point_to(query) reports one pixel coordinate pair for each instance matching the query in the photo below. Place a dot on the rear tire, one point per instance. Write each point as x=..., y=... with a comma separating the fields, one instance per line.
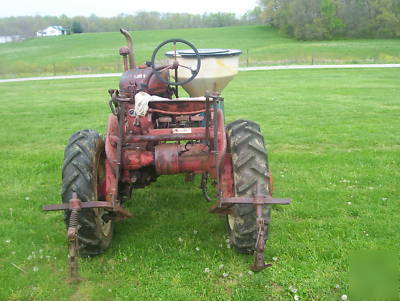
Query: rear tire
x=83, y=172
x=250, y=168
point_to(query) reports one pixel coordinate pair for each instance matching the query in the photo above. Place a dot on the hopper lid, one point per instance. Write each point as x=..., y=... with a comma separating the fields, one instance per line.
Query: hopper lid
x=206, y=52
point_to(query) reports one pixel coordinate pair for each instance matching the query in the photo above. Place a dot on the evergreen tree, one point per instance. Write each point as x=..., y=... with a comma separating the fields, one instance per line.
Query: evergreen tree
x=76, y=27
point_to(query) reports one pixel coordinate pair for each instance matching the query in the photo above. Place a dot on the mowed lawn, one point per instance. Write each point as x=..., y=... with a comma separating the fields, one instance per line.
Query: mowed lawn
x=261, y=45
x=334, y=145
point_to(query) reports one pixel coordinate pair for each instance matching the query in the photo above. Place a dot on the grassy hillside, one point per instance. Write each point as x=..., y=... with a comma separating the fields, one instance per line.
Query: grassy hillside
x=334, y=149
x=98, y=52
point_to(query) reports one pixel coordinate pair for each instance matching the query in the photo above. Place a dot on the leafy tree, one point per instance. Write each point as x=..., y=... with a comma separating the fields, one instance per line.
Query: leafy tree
x=252, y=16
x=330, y=19
x=327, y=19
x=27, y=26
x=385, y=22
x=76, y=27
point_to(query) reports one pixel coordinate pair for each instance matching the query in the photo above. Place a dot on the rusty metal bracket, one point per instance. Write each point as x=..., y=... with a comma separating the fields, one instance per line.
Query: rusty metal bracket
x=259, y=200
x=75, y=205
x=203, y=186
x=121, y=212
x=67, y=206
x=72, y=236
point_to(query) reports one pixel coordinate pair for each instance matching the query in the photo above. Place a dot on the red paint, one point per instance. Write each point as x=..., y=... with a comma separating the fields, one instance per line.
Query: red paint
x=226, y=179
x=172, y=158
x=135, y=159
x=271, y=183
x=178, y=107
x=144, y=79
x=110, y=181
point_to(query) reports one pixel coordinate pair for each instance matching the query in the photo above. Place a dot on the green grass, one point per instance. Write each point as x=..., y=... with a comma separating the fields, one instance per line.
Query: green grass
x=98, y=52
x=333, y=138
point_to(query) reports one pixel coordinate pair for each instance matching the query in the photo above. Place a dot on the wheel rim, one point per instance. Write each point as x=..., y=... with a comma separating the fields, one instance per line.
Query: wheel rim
x=231, y=221
x=105, y=226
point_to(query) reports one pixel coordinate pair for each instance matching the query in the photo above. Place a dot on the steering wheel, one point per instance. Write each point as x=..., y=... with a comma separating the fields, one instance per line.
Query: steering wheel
x=175, y=64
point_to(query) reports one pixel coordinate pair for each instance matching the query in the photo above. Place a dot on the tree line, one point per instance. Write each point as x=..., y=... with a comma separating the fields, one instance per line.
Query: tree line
x=328, y=19
x=302, y=19
x=27, y=26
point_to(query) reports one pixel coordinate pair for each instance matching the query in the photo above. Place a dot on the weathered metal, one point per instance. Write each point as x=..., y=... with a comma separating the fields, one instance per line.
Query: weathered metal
x=128, y=37
x=135, y=159
x=165, y=137
x=88, y=205
x=259, y=200
x=172, y=158
x=75, y=206
x=175, y=64
x=69, y=206
x=124, y=51
x=142, y=79
x=138, y=149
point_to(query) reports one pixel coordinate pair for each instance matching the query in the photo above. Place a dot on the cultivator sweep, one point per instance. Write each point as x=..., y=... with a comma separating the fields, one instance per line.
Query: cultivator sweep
x=151, y=133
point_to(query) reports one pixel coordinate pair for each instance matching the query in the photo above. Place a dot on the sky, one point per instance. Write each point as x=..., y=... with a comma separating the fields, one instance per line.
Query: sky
x=107, y=8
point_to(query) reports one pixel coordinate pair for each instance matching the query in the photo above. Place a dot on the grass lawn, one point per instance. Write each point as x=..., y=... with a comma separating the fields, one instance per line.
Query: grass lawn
x=98, y=52
x=334, y=143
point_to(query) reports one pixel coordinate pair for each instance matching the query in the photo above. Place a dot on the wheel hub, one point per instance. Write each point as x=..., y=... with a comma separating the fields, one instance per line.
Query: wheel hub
x=105, y=224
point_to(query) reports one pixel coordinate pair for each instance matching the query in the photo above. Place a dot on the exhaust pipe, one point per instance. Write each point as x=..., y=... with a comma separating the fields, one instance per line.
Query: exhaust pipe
x=128, y=37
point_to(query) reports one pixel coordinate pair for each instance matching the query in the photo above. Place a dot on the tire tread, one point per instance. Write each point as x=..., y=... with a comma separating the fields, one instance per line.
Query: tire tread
x=250, y=167
x=79, y=175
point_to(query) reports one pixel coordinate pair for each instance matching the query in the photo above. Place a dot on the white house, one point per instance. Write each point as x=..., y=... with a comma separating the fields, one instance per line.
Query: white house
x=6, y=39
x=54, y=30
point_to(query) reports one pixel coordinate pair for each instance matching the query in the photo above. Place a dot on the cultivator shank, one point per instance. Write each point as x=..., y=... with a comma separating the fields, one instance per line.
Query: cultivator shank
x=259, y=200
x=74, y=206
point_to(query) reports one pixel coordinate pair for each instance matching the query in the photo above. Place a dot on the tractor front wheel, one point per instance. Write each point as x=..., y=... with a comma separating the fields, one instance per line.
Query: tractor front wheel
x=84, y=172
x=250, y=168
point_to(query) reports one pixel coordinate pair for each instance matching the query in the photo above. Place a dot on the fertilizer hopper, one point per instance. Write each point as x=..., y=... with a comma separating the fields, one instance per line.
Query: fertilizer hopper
x=218, y=67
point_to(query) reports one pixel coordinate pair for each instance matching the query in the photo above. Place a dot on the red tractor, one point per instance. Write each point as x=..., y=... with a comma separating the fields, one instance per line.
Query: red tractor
x=152, y=132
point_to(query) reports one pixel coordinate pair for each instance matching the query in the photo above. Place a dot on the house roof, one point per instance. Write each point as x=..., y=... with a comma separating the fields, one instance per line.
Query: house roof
x=58, y=27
